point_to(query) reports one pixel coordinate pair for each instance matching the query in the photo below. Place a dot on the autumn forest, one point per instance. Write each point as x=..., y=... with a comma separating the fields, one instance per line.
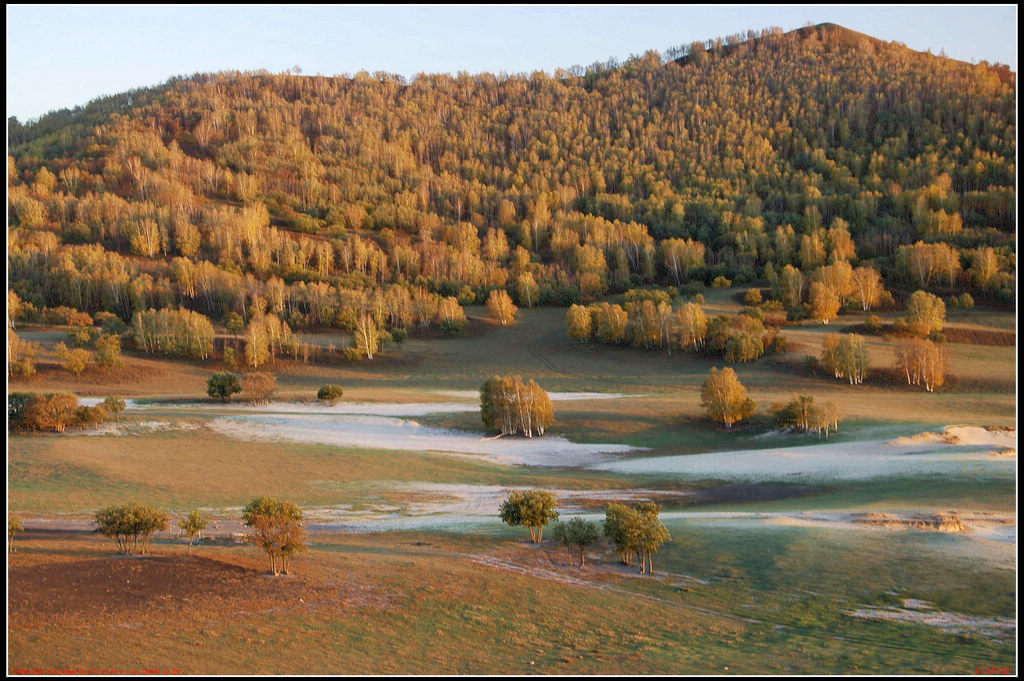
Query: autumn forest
x=843, y=170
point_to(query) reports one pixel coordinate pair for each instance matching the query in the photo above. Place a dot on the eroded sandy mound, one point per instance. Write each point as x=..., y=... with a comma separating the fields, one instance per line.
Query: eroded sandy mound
x=967, y=436
x=939, y=522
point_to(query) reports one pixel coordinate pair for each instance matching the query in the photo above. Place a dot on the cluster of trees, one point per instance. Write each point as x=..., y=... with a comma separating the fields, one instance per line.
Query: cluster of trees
x=56, y=412
x=633, y=531
x=173, y=333
x=922, y=361
x=802, y=414
x=845, y=356
x=131, y=525
x=649, y=321
x=829, y=289
x=510, y=406
x=636, y=531
x=276, y=528
x=319, y=200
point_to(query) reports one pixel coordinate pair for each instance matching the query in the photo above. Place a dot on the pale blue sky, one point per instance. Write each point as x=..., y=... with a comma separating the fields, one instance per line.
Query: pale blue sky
x=63, y=56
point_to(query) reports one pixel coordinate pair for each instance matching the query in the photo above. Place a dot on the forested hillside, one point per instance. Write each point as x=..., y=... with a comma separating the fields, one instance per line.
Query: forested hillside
x=340, y=201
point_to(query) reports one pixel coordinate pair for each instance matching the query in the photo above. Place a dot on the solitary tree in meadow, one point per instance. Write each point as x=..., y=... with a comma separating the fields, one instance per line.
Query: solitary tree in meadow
x=330, y=393
x=14, y=526
x=222, y=385
x=277, y=529
x=259, y=386
x=925, y=313
x=501, y=307
x=193, y=525
x=724, y=398
x=532, y=508
x=115, y=405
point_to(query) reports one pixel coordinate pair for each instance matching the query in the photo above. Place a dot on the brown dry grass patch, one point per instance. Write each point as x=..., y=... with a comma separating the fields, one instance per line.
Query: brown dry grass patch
x=50, y=585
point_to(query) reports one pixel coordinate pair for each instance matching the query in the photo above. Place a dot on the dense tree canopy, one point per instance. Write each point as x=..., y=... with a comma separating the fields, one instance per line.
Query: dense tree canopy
x=311, y=194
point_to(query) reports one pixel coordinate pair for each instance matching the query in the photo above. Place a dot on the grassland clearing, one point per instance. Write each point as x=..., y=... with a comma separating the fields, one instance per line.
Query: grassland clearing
x=410, y=570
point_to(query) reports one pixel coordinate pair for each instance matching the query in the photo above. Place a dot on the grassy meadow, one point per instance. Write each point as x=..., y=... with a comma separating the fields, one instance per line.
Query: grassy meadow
x=736, y=594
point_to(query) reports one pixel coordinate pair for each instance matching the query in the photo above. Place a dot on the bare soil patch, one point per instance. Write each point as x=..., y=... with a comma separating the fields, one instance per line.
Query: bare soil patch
x=132, y=589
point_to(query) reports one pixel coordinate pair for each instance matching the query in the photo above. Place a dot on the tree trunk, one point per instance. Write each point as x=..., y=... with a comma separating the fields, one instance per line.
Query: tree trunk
x=582, y=560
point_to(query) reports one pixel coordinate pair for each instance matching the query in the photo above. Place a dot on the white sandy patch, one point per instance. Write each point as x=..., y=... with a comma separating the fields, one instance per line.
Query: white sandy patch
x=135, y=428
x=360, y=408
x=455, y=506
x=486, y=499
x=951, y=622
x=93, y=401
x=555, y=396
x=384, y=432
x=828, y=462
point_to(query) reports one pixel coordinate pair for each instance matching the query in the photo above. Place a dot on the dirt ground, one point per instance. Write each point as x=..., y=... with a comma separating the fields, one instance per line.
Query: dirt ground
x=58, y=578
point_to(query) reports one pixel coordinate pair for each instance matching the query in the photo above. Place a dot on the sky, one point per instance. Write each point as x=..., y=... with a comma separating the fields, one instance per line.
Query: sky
x=64, y=56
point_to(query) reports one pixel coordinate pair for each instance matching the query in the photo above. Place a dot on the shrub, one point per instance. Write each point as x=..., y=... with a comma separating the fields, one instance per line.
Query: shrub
x=21, y=355
x=222, y=385
x=92, y=416
x=721, y=282
x=108, y=351
x=330, y=393
x=75, y=360
x=779, y=344
x=52, y=412
x=110, y=323
x=798, y=313
x=259, y=387
x=81, y=336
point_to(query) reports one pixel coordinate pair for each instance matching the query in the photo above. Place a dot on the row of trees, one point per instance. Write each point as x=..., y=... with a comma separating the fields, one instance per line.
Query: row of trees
x=802, y=414
x=650, y=324
x=277, y=528
x=633, y=531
